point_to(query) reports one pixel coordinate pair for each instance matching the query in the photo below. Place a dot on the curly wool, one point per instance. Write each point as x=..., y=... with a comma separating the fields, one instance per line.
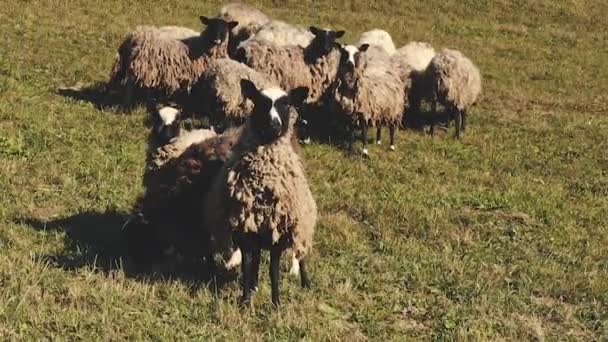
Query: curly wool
x=374, y=92
x=380, y=38
x=250, y=19
x=288, y=66
x=455, y=79
x=161, y=59
x=262, y=189
x=219, y=90
x=281, y=33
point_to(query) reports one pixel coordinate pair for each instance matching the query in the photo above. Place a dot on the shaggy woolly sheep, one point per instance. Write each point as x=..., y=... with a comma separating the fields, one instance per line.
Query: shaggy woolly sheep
x=314, y=66
x=377, y=37
x=281, y=33
x=167, y=214
x=412, y=61
x=218, y=91
x=368, y=92
x=456, y=84
x=261, y=198
x=250, y=21
x=152, y=59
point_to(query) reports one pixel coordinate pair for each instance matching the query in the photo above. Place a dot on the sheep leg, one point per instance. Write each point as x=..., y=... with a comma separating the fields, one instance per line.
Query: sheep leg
x=352, y=139
x=391, y=130
x=247, y=270
x=458, y=122
x=128, y=96
x=304, y=279
x=275, y=260
x=364, y=136
x=378, y=135
x=464, y=120
x=256, y=269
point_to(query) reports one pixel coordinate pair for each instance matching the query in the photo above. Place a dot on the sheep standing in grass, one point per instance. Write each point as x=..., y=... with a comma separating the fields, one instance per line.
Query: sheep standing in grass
x=218, y=91
x=154, y=60
x=314, y=66
x=377, y=37
x=250, y=20
x=412, y=61
x=456, y=84
x=368, y=92
x=261, y=198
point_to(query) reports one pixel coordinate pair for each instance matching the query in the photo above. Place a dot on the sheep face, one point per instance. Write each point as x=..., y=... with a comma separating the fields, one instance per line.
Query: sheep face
x=218, y=30
x=325, y=39
x=270, y=118
x=166, y=124
x=351, y=58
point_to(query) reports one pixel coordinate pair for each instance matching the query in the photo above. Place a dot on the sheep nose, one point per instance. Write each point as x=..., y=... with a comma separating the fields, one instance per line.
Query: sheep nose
x=275, y=124
x=217, y=41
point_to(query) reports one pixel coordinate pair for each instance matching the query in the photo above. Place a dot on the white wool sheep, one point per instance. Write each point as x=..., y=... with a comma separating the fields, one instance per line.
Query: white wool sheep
x=250, y=21
x=456, y=84
x=377, y=37
x=369, y=91
x=261, y=199
x=283, y=34
x=412, y=61
x=153, y=59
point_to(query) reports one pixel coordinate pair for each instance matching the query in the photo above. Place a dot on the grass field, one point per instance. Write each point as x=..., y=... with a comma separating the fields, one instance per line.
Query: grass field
x=502, y=235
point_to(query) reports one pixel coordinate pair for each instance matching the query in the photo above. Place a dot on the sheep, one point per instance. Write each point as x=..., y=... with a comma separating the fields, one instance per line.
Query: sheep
x=261, y=198
x=218, y=91
x=377, y=37
x=152, y=59
x=368, y=92
x=456, y=84
x=314, y=66
x=412, y=61
x=250, y=21
x=166, y=217
x=281, y=33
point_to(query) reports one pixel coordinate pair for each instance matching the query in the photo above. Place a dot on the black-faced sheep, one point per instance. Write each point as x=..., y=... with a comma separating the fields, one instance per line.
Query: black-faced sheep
x=368, y=91
x=456, y=84
x=261, y=198
x=154, y=60
x=314, y=66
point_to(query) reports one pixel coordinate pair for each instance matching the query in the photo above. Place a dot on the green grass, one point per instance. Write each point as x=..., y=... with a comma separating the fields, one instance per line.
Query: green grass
x=502, y=235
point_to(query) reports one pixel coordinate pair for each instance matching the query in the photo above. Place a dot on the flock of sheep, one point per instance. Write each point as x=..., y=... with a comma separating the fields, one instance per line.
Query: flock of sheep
x=267, y=83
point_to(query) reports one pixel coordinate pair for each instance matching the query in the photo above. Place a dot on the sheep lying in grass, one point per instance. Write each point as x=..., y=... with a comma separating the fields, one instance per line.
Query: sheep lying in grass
x=154, y=60
x=412, y=61
x=261, y=198
x=218, y=91
x=281, y=33
x=368, y=92
x=250, y=20
x=314, y=66
x=377, y=37
x=456, y=84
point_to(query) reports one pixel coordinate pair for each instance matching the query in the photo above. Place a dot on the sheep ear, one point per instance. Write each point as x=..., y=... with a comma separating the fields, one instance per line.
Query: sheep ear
x=339, y=34
x=314, y=30
x=363, y=47
x=297, y=96
x=204, y=20
x=233, y=24
x=248, y=89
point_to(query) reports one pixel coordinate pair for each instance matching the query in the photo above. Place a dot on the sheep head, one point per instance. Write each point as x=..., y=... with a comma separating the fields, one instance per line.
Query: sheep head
x=270, y=118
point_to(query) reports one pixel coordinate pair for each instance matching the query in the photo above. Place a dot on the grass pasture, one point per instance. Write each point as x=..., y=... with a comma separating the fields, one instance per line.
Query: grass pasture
x=500, y=236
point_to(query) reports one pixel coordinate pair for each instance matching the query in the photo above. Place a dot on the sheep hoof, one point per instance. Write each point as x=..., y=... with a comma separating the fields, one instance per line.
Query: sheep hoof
x=364, y=151
x=378, y=142
x=392, y=148
x=235, y=260
x=307, y=141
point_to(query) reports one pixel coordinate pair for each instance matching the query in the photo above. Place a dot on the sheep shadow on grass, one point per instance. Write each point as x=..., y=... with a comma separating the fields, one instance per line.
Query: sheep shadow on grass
x=97, y=94
x=96, y=240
